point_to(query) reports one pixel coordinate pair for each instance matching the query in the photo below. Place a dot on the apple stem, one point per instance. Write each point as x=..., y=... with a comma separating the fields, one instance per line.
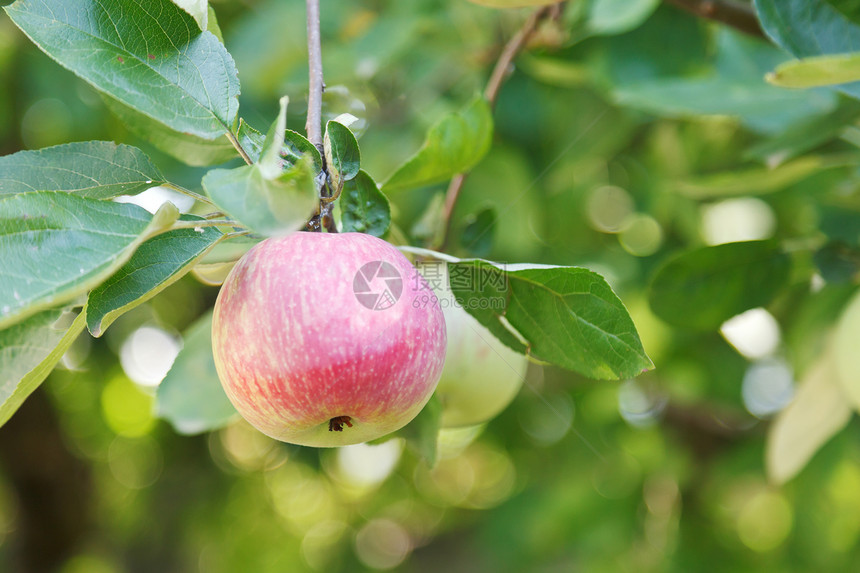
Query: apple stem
x=336, y=423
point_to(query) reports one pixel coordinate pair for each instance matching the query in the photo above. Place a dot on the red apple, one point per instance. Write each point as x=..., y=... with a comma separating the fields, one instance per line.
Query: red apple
x=319, y=341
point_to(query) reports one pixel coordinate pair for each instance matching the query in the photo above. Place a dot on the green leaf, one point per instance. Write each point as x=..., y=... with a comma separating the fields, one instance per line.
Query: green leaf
x=730, y=85
x=57, y=246
x=292, y=146
x=806, y=134
x=364, y=209
x=341, y=154
x=566, y=316
x=817, y=71
x=212, y=25
x=212, y=269
x=213, y=274
x=29, y=351
x=198, y=9
x=230, y=250
x=266, y=206
x=817, y=412
x=157, y=264
x=618, y=16
x=191, y=397
x=430, y=227
x=275, y=195
x=705, y=287
x=97, y=169
x=297, y=146
x=454, y=145
x=846, y=360
x=148, y=54
x=477, y=236
x=837, y=262
x=190, y=149
x=271, y=163
x=762, y=180
x=251, y=140
x=809, y=28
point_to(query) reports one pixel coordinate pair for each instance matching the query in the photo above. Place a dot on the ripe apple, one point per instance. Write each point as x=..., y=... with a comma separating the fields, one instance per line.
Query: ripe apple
x=481, y=375
x=318, y=341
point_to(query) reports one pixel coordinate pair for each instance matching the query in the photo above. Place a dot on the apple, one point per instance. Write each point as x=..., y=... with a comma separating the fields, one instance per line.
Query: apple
x=318, y=339
x=481, y=375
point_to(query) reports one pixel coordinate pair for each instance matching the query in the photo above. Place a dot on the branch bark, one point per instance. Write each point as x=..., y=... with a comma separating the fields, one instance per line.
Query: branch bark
x=512, y=49
x=313, y=127
x=500, y=73
x=316, y=86
x=730, y=12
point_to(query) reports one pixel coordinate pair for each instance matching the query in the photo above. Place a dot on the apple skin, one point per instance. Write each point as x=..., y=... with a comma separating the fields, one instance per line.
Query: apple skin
x=481, y=375
x=297, y=352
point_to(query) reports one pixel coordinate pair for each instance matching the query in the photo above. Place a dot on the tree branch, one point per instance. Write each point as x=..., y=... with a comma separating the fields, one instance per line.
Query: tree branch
x=313, y=127
x=500, y=73
x=512, y=49
x=730, y=12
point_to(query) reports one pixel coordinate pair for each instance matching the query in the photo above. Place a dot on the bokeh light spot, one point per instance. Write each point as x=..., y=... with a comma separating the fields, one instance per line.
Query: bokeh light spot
x=126, y=409
x=47, y=122
x=609, y=209
x=319, y=542
x=743, y=219
x=135, y=463
x=765, y=521
x=365, y=465
x=382, y=544
x=754, y=333
x=768, y=386
x=147, y=355
x=155, y=197
x=642, y=236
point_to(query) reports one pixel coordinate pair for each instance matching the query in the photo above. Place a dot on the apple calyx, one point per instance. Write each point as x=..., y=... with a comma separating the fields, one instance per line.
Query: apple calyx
x=336, y=423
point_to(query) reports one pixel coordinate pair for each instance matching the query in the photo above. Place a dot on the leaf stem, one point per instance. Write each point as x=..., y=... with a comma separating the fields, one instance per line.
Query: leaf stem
x=188, y=192
x=730, y=12
x=232, y=137
x=316, y=85
x=234, y=234
x=205, y=223
x=501, y=72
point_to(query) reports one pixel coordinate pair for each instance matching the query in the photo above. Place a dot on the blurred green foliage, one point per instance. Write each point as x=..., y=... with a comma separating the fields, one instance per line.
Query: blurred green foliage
x=599, y=140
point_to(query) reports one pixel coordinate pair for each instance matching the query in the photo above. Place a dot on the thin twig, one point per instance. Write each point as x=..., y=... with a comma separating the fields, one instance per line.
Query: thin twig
x=238, y=147
x=511, y=50
x=316, y=85
x=451, y=196
x=730, y=12
x=500, y=73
